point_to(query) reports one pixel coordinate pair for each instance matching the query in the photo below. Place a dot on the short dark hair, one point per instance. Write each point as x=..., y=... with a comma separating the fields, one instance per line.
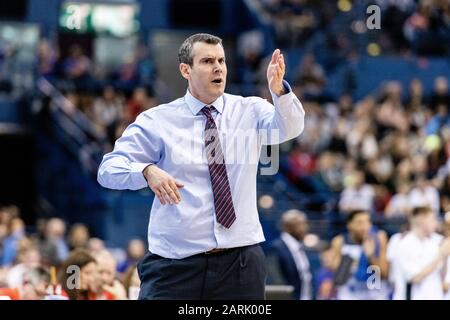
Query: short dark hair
x=185, y=51
x=352, y=215
x=80, y=258
x=417, y=211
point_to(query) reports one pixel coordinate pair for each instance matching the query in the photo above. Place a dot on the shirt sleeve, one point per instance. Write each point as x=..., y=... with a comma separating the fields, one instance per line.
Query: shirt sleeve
x=282, y=121
x=138, y=147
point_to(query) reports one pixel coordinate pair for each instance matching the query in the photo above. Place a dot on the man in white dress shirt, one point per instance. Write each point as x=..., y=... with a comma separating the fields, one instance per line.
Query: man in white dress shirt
x=204, y=230
x=421, y=256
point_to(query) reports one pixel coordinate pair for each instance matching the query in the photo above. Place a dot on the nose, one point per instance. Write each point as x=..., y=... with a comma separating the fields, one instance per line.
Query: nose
x=217, y=67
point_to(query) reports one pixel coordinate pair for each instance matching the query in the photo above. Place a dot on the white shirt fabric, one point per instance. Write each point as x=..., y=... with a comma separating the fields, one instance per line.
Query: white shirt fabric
x=414, y=254
x=395, y=275
x=302, y=263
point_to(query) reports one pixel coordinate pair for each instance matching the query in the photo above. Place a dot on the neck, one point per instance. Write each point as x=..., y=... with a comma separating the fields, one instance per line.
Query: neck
x=420, y=233
x=355, y=239
x=205, y=100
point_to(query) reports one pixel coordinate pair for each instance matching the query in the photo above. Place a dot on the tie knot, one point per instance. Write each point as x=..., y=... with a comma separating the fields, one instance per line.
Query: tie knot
x=207, y=111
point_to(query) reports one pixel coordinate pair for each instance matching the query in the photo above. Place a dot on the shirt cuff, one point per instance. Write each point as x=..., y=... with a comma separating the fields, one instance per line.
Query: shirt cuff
x=137, y=177
x=285, y=96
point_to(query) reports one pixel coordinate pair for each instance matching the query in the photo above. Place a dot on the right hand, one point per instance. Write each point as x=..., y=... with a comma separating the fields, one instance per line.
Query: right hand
x=163, y=185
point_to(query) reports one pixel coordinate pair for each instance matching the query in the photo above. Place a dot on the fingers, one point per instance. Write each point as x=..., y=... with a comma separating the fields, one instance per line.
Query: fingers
x=179, y=185
x=164, y=186
x=280, y=66
x=277, y=65
x=169, y=193
x=281, y=63
x=176, y=194
x=160, y=196
x=275, y=56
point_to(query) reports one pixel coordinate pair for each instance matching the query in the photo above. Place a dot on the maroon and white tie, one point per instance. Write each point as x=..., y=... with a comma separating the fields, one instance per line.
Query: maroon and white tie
x=223, y=201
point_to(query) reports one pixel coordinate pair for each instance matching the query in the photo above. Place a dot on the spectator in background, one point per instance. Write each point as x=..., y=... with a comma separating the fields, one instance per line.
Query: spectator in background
x=78, y=236
x=52, y=244
x=291, y=256
x=77, y=66
x=330, y=170
x=142, y=99
x=416, y=105
x=441, y=94
x=95, y=246
x=16, y=232
x=132, y=283
x=250, y=49
x=127, y=77
x=85, y=287
x=423, y=29
x=324, y=277
x=357, y=195
x=311, y=77
x=47, y=59
x=444, y=194
x=421, y=255
x=28, y=257
x=399, y=205
x=135, y=251
x=107, y=266
x=55, y=232
x=365, y=246
x=33, y=286
x=424, y=195
x=107, y=112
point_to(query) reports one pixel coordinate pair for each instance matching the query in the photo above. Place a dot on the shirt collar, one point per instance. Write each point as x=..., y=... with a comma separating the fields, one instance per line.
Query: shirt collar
x=196, y=105
x=290, y=241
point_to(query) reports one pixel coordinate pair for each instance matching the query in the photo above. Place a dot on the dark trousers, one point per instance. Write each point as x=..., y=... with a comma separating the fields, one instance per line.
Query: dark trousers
x=238, y=273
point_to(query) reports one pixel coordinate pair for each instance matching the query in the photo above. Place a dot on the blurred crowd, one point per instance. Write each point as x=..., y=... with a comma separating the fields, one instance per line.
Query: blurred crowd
x=110, y=96
x=386, y=153
x=58, y=264
x=363, y=262
x=418, y=26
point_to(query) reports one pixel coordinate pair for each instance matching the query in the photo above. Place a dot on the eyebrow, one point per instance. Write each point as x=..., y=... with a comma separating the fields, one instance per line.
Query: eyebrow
x=212, y=57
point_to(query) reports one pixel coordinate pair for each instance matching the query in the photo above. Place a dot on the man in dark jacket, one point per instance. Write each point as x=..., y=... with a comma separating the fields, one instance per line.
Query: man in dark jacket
x=288, y=262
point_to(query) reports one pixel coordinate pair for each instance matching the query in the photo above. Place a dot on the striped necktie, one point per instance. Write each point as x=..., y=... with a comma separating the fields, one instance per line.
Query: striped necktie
x=223, y=201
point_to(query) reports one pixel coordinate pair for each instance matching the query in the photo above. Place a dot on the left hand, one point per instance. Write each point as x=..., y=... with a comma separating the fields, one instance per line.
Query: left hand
x=275, y=73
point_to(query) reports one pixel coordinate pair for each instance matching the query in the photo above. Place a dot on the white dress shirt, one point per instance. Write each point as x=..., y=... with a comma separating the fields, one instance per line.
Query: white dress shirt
x=172, y=137
x=395, y=274
x=414, y=254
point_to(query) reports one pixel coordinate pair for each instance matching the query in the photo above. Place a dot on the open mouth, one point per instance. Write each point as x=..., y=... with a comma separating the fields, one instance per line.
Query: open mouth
x=217, y=81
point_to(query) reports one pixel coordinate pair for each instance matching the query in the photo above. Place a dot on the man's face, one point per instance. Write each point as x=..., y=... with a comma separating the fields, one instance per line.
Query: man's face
x=207, y=75
x=427, y=222
x=107, y=271
x=360, y=226
x=299, y=227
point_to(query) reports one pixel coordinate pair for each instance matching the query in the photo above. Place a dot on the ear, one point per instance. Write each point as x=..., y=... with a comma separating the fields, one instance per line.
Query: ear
x=185, y=70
